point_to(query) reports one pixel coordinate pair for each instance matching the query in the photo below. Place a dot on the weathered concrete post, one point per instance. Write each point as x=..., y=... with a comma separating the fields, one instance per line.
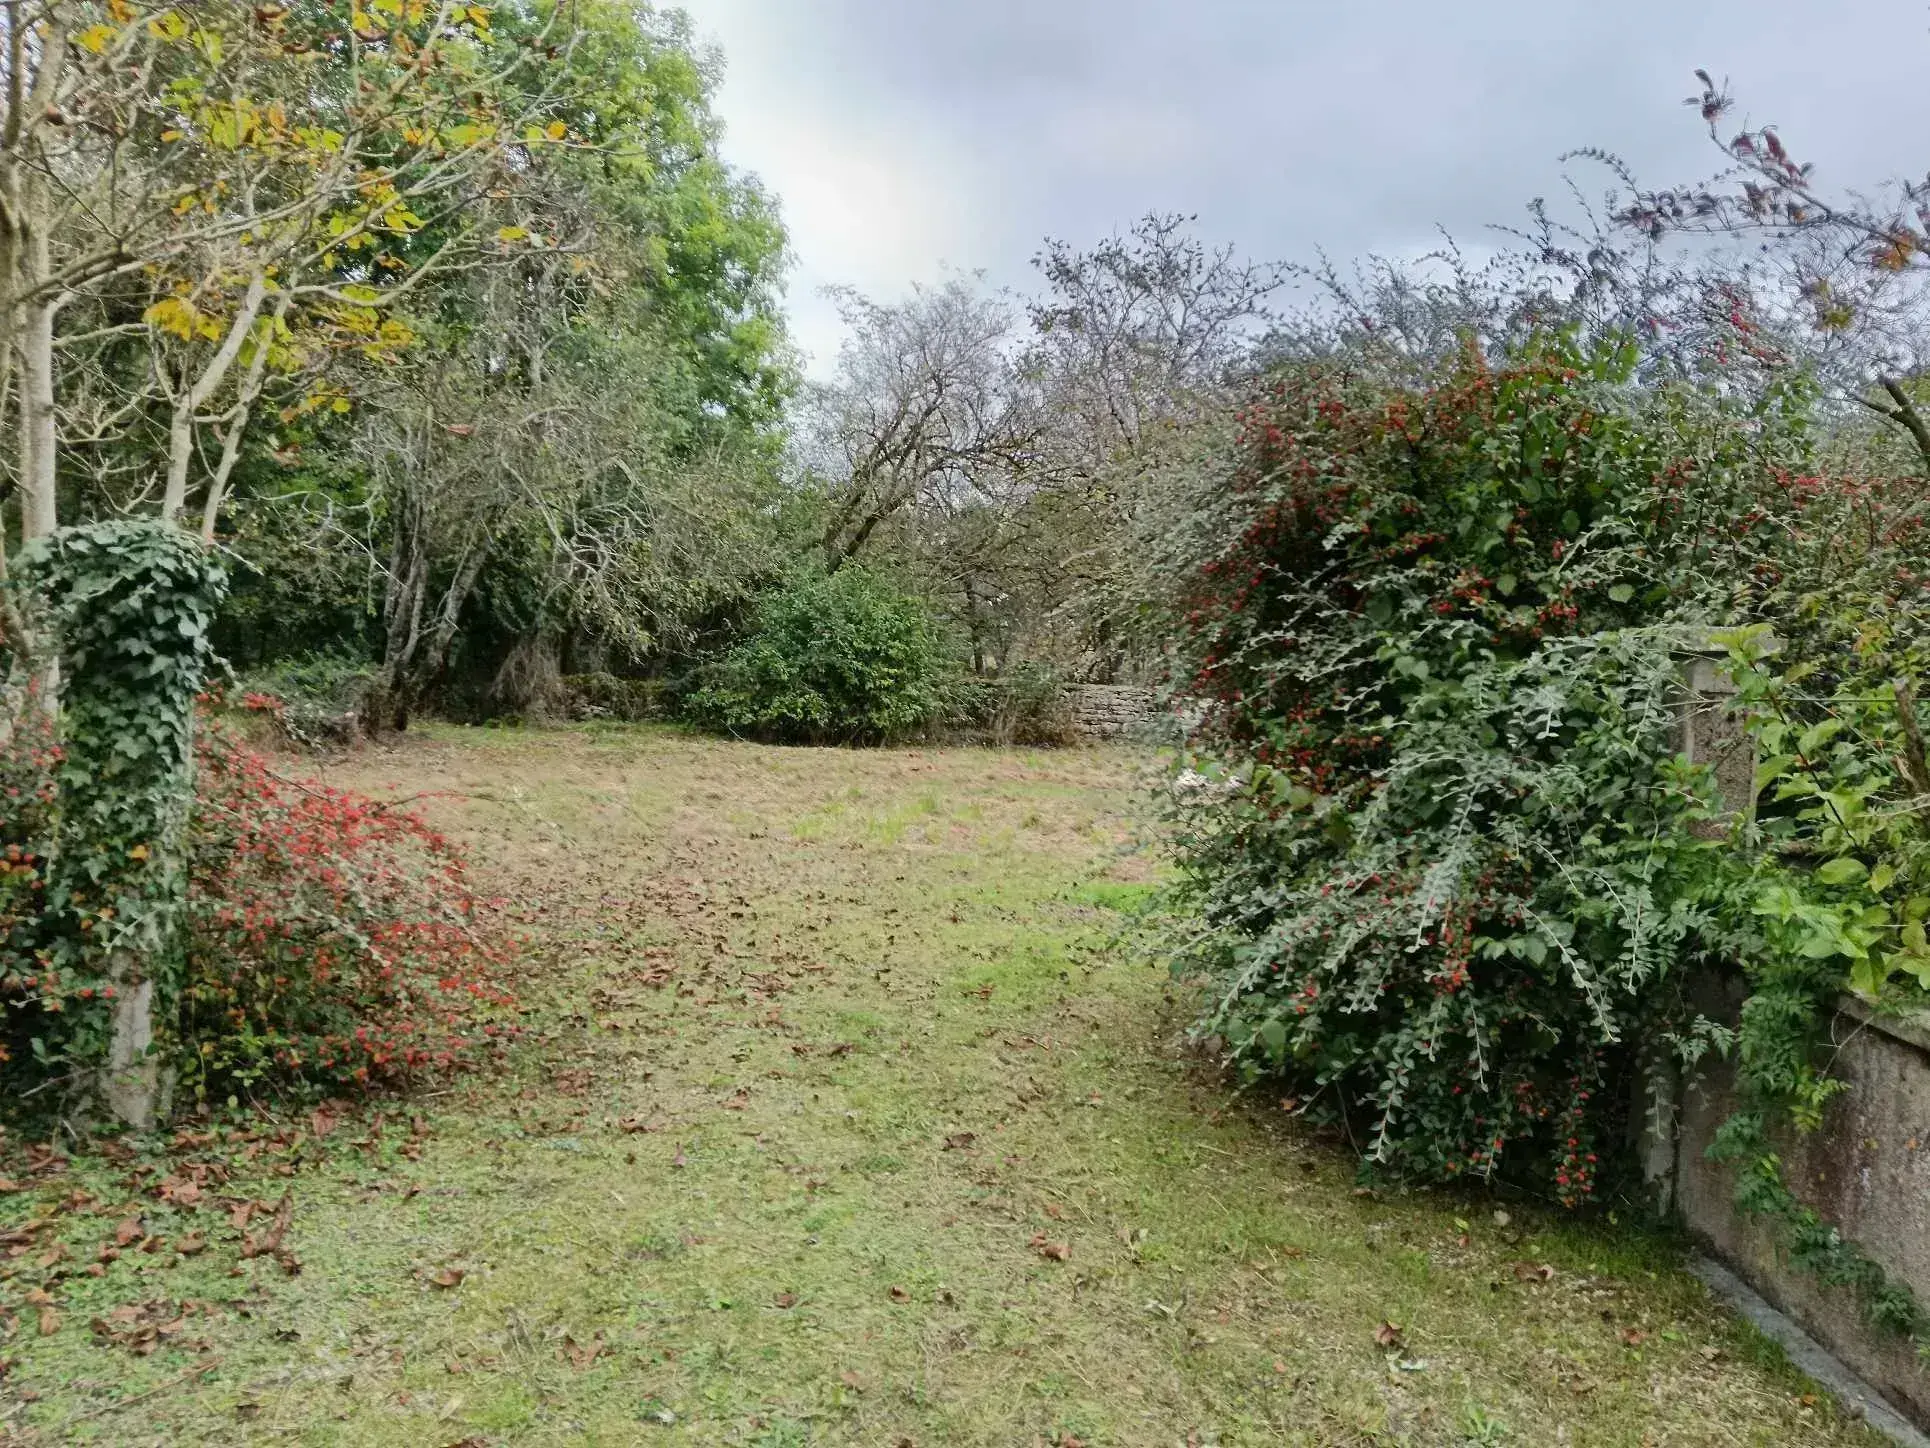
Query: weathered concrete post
x=1709, y=731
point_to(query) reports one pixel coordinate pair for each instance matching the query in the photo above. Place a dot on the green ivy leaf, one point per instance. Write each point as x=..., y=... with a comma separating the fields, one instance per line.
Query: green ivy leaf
x=1844, y=870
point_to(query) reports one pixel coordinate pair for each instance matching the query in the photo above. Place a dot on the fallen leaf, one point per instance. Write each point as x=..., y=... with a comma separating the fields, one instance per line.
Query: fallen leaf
x=448, y=1277
x=49, y=1322
x=269, y=1242
x=959, y=1140
x=1389, y=1336
x=1053, y=1251
x=128, y=1231
x=191, y=1245
x=785, y=1299
x=1632, y=1336
x=898, y=1294
x=1531, y=1272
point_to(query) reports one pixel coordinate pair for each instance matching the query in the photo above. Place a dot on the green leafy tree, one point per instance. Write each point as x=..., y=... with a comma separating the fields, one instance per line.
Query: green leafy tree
x=834, y=658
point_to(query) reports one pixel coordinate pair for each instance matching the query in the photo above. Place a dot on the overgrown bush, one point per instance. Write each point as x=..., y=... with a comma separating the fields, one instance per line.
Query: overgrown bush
x=327, y=939
x=330, y=937
x=315, y=699
x=838, y=658
x=1434, y=824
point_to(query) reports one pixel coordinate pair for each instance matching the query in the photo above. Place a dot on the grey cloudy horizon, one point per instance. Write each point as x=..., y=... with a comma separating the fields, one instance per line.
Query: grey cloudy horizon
x=906, y=138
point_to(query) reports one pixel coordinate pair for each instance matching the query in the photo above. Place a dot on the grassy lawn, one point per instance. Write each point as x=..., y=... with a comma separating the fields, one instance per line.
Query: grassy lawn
x=840, y=1123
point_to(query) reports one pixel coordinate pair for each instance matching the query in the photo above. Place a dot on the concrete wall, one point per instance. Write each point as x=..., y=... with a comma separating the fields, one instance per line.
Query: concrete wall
x=1866, y=1171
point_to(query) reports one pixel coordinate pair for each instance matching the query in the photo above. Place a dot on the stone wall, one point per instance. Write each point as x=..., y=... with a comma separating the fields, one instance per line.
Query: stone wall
x=1110, y=711
x=1866, y=1171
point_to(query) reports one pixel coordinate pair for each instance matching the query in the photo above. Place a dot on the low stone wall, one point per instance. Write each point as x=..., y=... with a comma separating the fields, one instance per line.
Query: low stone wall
x=1110, y=711
x=1866, y=1171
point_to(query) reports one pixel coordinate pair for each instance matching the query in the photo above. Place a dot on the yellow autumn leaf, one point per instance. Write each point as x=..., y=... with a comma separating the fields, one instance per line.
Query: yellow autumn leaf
x=511, y=233
x=168, y=25
x=120, y=10
x=340, y=404
x=139, y=852
x=96, y=38
x=556, y=130
x=173, y=315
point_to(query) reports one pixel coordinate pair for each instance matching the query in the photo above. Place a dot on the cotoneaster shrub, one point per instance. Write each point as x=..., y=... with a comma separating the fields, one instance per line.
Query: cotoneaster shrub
x=1437, y=860
x=331, y=937
x=327, y=940
x=844, y=658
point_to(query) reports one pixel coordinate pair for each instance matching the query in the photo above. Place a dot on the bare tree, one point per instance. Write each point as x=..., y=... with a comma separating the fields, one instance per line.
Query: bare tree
x=1845, y=277
x=1134, y=331
x=926, y=404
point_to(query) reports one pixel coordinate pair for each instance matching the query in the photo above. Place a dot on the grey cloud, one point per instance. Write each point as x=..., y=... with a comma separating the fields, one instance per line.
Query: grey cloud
x=1291, y=127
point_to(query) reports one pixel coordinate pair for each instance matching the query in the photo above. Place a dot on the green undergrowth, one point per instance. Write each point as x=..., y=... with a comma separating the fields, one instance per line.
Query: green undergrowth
x=842, y=1119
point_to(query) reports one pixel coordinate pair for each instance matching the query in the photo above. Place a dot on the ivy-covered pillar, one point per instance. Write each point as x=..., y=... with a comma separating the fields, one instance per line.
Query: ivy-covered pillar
x=132, y=602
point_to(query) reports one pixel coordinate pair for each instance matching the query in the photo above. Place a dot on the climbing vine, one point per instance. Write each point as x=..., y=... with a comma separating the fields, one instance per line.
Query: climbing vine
x=1829, y=892
x=131, y=602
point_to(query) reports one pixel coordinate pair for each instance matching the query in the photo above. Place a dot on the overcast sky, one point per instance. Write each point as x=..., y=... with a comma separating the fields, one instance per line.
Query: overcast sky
x=904, y=137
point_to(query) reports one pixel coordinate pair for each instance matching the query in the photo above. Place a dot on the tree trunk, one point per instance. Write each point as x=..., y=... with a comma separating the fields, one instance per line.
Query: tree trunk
x=38, y=432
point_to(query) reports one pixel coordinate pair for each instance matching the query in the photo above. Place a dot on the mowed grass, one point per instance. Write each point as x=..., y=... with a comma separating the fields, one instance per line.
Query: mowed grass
x=843, y=1120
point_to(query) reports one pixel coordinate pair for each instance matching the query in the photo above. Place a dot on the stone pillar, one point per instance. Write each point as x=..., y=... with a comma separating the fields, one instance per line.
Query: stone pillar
x=1709, y=732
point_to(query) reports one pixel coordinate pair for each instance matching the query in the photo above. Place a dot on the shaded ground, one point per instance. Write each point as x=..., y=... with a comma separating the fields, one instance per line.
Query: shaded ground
x=841, y=1125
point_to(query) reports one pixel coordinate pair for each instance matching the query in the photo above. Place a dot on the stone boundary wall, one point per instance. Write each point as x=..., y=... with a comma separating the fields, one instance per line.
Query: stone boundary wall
x=1110, y=711
x=1866, y=1171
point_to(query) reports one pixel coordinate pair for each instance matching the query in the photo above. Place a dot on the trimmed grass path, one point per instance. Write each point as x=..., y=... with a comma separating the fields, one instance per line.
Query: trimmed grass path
x=843, y=1123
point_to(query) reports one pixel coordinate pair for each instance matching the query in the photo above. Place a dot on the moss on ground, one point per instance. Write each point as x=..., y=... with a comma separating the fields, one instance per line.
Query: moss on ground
x=842, y=1123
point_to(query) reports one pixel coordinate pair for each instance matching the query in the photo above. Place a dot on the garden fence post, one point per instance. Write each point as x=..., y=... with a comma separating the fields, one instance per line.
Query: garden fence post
x=1710, y=732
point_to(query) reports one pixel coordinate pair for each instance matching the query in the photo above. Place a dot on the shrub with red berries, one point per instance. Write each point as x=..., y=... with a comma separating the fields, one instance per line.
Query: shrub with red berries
x=329, y=936
x=1448, y=874
x=327, y=939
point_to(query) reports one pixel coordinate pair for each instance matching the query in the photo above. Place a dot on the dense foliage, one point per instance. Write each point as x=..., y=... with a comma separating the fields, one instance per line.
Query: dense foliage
x=321, y=939
x=330, y=938
x=1438, y=834
x=842, y=657
x=131, y=603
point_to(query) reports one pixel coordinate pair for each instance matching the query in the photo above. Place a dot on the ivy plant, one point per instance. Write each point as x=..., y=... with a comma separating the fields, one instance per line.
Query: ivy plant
x=132, y=602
